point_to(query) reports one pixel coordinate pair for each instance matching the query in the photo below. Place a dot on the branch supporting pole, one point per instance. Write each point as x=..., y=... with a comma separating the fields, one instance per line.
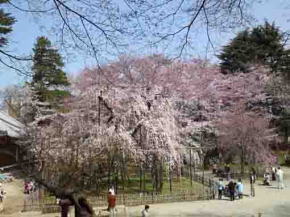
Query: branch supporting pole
x=190, y=167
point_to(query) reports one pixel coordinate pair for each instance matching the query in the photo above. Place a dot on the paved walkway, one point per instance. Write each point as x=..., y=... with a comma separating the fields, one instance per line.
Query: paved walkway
x=269, y=201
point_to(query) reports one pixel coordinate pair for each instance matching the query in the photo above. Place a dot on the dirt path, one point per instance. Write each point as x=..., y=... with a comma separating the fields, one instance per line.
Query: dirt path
x=14, y=199
x=269, y=201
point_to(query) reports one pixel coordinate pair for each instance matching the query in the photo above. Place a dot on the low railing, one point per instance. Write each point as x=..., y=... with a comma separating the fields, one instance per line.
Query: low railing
x=50, y=204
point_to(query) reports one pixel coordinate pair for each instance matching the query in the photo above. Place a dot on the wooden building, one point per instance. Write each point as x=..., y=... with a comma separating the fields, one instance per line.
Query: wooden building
x=10, y=130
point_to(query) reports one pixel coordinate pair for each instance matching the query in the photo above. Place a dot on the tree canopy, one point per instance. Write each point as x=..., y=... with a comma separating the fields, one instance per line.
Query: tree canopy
x=262, y=45
x=48, y=78
x=6, y=22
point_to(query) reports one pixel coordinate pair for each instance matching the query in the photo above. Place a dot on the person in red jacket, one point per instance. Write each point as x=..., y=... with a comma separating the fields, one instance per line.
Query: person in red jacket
x=112, y=204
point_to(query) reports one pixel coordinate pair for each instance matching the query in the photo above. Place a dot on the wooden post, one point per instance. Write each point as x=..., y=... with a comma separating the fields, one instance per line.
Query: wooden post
x=170, y=179
x=190, y=167
x=203, y=165
x=140, y=177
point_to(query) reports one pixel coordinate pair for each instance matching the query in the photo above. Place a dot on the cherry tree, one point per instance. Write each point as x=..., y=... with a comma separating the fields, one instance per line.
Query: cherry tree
x=199, y=91
x=245, y=134
x=105, y=129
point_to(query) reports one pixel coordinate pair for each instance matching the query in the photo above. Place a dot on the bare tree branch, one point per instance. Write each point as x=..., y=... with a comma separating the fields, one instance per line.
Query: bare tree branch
x=21, y=72
x=28, y=10
x=15, y=57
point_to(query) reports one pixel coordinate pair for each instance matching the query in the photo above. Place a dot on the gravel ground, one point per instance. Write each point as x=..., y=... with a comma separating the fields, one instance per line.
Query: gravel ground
x=269, y=201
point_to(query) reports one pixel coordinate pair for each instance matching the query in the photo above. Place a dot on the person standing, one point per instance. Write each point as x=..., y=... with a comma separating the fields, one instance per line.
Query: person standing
x=220, y=187
x=240, y=188
x=64, y=205
x=145, y=211
x=279, y=177
x=85, y=210
x=274, y=170
x=232, y=189
x=112, y=204
x=254, y=174
x=252, y=183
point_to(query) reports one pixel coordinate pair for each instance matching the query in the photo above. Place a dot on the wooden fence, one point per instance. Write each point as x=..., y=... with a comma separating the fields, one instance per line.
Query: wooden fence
x=35, y=202
x=49, y=205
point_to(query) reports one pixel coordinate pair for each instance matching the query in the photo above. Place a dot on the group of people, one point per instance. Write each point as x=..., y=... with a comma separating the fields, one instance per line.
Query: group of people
x=232, y=189
x=112, y=204
x=86, y=210
x=274, y=174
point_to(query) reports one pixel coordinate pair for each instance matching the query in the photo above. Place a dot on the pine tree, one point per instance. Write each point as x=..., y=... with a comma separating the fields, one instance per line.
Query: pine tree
x=48, y=80
x=262, y=45
x=6, y=22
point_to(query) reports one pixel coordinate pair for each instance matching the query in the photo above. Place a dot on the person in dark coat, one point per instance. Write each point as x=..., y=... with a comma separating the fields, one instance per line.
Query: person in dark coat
x=252, y=183
x=232, y=188
x=64, y=205
x=85, y=208
x=254, y=174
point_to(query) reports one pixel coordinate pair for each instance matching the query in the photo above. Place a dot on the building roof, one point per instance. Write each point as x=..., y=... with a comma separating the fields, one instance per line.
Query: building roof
x=9, y=126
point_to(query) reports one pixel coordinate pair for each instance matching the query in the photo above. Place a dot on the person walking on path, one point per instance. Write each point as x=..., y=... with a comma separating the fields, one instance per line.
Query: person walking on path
x=145, y=211
x=240, y=188
x=220, y=187
x=279, y=177
x=232, y=189
x=64, y=205
x=252, y=183
x=85, y=210
x=253, y=171
x=112, y=204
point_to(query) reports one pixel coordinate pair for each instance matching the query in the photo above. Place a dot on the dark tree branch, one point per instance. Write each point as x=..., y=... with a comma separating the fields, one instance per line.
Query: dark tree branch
x=28, y=10
x=15, y=57
x=207, y=29
x=22, y=72
x=103, y=31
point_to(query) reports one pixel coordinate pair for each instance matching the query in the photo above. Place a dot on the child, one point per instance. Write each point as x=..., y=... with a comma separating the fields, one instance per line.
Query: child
x=220, y=188
x=145, y=211
x=240, y=188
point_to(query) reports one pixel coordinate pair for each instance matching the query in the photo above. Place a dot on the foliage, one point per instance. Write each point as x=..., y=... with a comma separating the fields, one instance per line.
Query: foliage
x=263, y=45
x=48, y=79
x=11, y=100
x=6, y=22
x=245, y=134
x=104, y=127
x=141, y=112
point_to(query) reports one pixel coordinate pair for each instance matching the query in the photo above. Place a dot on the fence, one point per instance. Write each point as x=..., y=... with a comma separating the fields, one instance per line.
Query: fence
x=49, y=205
x=206, y=191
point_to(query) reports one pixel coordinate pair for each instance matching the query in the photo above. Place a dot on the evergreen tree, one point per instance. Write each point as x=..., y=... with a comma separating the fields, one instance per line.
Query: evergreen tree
x=262, y=45
x=48, y=80
x=6, y=22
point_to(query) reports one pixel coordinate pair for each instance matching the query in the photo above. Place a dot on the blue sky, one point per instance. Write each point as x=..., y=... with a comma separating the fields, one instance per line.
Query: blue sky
x=26, y=29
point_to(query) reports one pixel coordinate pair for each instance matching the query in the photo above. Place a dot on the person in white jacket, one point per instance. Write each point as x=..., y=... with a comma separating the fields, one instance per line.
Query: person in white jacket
x=279, y=177
x=145, y=211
